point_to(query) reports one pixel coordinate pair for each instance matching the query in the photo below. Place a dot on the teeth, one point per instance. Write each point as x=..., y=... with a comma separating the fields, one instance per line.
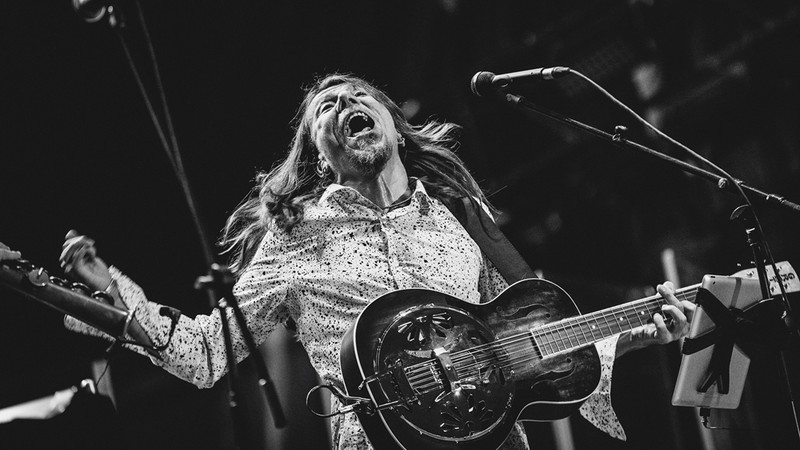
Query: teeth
x=356, y=114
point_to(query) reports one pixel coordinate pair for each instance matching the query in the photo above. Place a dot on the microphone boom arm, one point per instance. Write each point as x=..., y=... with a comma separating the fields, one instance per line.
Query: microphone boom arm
x=619, y=140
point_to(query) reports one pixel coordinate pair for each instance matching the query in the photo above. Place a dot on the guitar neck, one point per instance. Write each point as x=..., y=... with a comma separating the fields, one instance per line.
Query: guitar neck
x=579, y=331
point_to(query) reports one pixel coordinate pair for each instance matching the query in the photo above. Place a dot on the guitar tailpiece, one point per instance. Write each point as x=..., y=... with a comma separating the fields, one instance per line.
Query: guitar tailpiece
x=349, y=404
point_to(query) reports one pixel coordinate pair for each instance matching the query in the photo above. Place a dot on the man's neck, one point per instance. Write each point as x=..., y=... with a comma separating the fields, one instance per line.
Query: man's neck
x=390, y=186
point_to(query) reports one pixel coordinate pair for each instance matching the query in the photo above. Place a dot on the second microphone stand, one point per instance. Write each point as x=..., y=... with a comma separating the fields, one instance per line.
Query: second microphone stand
x=218, y=282
x=619, y=139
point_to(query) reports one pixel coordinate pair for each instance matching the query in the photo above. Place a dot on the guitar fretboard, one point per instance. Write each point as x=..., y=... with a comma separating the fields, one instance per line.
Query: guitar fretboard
x=579, y=331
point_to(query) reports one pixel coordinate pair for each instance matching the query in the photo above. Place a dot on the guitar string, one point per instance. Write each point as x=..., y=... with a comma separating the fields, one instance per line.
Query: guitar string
x=519, y=350
x=551, y=329
x=506, y=358
x=417, y=373
x=634, y=307
x=523, y=356
x=629, y=311
x=510, y=358
x=555, y=328
x=509, y=355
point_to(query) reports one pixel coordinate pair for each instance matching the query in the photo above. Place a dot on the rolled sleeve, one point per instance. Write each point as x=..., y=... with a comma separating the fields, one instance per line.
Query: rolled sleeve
x=196, y=349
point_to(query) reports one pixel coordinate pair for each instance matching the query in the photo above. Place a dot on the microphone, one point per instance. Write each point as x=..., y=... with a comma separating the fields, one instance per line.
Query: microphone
x=485, y=82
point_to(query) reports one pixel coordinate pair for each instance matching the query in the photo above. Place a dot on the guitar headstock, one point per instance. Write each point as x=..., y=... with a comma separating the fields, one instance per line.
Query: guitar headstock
x=788, y=276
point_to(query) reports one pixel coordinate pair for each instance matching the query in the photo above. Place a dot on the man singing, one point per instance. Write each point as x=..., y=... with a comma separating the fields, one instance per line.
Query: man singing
x=355, y=210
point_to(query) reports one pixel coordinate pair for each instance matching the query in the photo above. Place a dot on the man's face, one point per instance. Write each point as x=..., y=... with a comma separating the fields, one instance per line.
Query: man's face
x=353, y=131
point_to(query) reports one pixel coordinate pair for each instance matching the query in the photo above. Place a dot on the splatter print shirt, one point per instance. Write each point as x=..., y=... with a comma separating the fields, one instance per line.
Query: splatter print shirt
x=345, y=253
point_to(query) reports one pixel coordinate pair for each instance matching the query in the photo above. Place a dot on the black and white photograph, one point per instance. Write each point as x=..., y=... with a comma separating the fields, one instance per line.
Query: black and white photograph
x=400, y=225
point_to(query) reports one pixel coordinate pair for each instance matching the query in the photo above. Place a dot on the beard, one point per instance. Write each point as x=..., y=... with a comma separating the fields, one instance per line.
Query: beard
x=369, y=158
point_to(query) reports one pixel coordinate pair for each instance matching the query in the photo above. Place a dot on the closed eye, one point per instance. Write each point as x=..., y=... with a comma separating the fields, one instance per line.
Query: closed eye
x=324, y=107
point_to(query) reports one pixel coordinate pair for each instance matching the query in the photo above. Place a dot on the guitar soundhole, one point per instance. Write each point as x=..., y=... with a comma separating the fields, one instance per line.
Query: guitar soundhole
x=478, y=416
x=414, y=330
x=441, y=323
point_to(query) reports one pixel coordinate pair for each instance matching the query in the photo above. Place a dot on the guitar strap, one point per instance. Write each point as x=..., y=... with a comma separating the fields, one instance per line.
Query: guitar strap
x=492, y=242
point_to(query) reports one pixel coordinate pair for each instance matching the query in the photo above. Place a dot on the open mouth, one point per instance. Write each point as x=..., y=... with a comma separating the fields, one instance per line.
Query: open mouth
x=358, y=123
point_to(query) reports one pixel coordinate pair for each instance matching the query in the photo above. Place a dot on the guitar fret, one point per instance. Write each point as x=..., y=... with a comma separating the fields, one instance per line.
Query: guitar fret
x=611, y=320
x=553, y=347
x=545, y=344
x=565, y=341
x=539, y=343
x=628, y=319
x=574, y=332
x=568, y=335
x=557, y=339
x=583, y=333
x=639, y=315
x=591, y=329
x=561, y=333
x=608, y=324
x=597, y=326
x=549, y=340
x=571, y=333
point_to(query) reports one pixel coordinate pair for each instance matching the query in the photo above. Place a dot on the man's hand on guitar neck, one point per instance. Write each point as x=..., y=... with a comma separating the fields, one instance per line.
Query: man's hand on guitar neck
x=678, y=314
x=6, y=253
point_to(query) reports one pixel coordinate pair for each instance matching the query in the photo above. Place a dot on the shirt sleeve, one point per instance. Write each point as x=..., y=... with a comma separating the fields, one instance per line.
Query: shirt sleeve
x=196, y=349
x=597, y=408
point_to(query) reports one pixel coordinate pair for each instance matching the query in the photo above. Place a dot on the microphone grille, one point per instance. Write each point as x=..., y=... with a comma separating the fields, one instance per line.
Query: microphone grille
x=481, y=83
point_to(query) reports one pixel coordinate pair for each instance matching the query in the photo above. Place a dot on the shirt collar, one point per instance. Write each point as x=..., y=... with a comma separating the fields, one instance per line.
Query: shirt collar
x=340, y=192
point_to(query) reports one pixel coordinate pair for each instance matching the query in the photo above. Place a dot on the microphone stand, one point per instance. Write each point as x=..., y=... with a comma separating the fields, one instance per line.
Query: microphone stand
x=754, y=237
x=618, y=139
x=218, y=283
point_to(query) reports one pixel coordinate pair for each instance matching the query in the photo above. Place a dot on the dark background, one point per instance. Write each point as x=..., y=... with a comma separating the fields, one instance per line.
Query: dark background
x=78, y=150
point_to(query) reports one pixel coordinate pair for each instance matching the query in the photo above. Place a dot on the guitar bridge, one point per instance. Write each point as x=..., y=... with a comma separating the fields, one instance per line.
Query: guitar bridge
x=394, y=386
x=451, y=378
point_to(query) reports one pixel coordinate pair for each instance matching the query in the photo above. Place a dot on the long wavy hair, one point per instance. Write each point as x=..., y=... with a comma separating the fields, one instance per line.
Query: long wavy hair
x=277, y=200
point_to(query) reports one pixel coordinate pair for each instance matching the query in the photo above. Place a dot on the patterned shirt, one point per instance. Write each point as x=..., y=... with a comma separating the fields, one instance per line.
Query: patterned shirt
x=343, y=254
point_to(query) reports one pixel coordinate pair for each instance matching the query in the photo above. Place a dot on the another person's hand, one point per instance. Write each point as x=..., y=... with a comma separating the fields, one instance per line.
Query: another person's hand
x=679, y=312
x=6, y=253
x=80, y=262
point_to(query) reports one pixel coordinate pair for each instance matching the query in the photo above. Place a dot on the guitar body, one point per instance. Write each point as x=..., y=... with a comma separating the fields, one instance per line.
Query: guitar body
x=444, y=373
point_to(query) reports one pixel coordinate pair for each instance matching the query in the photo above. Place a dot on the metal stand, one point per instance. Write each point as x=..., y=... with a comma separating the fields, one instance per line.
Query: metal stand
x=218, y=283
x=755, y=240
x=753, y=229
